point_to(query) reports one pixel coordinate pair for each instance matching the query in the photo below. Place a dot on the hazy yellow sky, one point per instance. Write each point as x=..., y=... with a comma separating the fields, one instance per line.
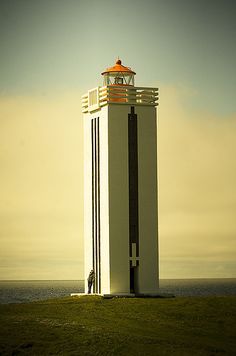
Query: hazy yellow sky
x=41, y=187
x=197, y=176
x=52, y=52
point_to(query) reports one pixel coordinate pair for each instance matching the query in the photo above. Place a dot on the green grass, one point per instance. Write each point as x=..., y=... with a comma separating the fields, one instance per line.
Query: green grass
x=135, y=326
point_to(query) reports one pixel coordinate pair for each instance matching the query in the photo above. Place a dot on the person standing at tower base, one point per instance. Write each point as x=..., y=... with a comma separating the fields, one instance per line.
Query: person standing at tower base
x=91, y=279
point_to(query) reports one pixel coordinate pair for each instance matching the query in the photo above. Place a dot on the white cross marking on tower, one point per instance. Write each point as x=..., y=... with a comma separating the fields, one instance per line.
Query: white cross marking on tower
x=134, y=257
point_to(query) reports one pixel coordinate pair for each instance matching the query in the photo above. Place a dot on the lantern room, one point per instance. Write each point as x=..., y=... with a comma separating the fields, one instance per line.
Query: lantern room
x=118, y=75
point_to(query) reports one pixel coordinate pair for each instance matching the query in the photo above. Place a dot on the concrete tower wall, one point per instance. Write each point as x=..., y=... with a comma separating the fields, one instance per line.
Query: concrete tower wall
x=147, y=271
x=104, y=198
x=118, y=198
x=112, y=194
x=87, y=198
x=104, y=202
x=148, y=215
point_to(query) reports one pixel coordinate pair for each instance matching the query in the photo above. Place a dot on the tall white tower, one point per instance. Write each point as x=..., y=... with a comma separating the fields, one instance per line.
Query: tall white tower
x=120, y=185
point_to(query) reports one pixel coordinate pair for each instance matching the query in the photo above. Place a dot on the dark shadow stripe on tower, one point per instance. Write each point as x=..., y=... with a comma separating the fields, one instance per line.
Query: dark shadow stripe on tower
x=98, y=208
x=93, y=193
x=133, y=180
x=96, y=248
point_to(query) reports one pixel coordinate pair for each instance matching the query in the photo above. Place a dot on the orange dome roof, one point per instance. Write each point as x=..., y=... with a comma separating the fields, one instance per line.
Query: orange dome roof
x=118, y=67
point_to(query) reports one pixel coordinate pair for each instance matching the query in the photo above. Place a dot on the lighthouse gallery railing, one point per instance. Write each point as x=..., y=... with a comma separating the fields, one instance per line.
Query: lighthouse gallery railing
x=121, y=95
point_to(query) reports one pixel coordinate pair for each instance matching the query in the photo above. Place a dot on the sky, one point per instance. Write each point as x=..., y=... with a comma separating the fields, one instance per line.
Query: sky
x=52, y=52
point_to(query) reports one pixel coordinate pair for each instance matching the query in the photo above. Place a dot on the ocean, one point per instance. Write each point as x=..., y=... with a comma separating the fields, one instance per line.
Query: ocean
x=28, y=291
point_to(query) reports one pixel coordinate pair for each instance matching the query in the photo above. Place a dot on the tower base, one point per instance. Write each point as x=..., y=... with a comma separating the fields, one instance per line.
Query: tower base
x=126, y=295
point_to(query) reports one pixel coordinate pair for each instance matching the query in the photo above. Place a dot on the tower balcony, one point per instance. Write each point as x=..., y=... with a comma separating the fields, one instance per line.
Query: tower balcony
x=118, y=94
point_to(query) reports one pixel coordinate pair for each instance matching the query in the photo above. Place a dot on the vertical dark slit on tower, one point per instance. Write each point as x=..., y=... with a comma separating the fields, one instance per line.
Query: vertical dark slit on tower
x=96, y=204
x=98, y=207
x=133, y=189
x=93, y=190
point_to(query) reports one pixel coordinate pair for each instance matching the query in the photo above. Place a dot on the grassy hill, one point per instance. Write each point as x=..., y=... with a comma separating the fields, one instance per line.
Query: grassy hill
x=119, y=326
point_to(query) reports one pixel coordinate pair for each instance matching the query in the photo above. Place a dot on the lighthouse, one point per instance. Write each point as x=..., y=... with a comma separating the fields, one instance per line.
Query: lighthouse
x=120, y=185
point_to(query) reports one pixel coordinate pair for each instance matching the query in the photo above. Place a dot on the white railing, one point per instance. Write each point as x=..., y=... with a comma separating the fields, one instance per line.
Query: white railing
x=122, y=95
